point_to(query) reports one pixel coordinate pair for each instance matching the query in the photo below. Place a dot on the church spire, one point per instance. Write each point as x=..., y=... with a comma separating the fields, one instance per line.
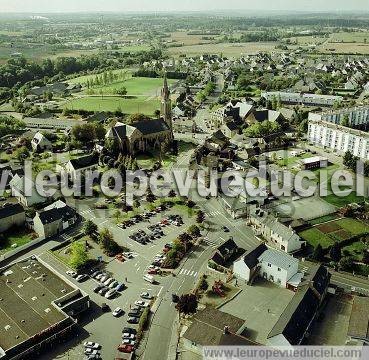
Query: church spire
x=165, y=93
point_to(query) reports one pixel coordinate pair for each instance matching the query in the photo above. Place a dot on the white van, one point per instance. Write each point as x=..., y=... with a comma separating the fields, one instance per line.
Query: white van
x=149, y=278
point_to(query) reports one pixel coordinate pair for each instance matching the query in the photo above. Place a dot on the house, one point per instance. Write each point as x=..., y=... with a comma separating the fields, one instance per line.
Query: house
x=277, y=234
x=25, y=191
x=270, y=264
x=11, y=215
x=212, y=327
x=247, y=266
x=40, y=142
x=296, y=320
x=178, y=111
x=358, y=329
x=225, y=252
x=77, y=167
x=54, y=219
x=261, y=115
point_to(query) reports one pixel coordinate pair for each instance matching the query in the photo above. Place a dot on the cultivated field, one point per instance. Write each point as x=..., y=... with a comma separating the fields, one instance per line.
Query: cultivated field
x=227, y=49
x=338, y=230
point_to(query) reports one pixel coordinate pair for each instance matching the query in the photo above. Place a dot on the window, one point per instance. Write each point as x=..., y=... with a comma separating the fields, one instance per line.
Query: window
x=270, y=265
x=279, y=269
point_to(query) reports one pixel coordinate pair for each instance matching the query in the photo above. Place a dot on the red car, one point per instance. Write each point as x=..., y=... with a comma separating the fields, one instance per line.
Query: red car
x=152, y=272
x=125, y=348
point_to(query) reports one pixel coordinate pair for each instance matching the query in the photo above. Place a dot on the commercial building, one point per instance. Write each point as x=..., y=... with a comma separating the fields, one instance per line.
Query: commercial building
x=39, y=309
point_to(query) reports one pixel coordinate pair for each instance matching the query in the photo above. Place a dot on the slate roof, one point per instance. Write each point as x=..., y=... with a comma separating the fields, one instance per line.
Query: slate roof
x=251, y=257
x=297, y=316
x=55, y=214
x=359, y=319
x=85, y=161
x=278, y=258
x=208, y=326
x=151, y=126
x=10, y=210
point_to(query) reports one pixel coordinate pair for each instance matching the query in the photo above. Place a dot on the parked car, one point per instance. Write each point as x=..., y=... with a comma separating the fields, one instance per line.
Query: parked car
x=146, y=295
x=98, y=288
x=71, y=273
x=125, y=348
x=135, y=313
x=117, y=312
x=103, y=290
x=120, y=287
x=129, y=336
x=129, y=330
x=128, y=342
x=105, y=307
x=111, y=293
x=113, y=285
x=89, y=351
x=92, y=345
x=142, y=303
x=133, y=320
x=81, y=277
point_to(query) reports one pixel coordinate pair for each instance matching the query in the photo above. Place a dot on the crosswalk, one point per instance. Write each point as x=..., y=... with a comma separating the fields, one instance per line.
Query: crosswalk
x=188, y=272
x=214, y=213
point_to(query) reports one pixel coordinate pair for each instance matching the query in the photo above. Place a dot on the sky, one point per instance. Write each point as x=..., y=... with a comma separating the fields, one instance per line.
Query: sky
x=45, y=6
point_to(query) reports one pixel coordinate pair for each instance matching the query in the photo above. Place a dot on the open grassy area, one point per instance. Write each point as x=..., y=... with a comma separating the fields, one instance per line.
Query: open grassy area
x=13, y=238
x=323, y=219
x=327, y=233
x=114, y=103
x=343, y=201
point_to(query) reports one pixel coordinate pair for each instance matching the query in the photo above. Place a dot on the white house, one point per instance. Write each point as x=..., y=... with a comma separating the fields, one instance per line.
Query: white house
x=77, y=167
x=273, y=265
x=40, y=142
x=25, y=191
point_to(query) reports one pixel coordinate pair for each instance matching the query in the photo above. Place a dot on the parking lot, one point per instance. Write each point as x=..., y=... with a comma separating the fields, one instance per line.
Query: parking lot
x=129, y=269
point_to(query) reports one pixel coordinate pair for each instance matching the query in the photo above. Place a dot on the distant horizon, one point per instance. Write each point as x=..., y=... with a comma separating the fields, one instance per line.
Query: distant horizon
x=185, y=6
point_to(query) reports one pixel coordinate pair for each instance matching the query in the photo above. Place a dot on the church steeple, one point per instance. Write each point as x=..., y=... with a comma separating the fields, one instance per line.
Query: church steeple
x=166, y=103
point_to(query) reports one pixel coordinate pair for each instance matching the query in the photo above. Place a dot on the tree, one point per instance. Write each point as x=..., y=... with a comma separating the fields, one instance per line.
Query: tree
x=346, y=263
x=187, y=304
x=122, y=91
x=335, y=252
x=200, y=217
x=365, y=259
x=84, y=134
x=150, y=197
x=99, y=131
x=345, y=121
x=194, y=230
x=107, y=243
x=78, y=255
x=22, y=153
x=89, y=228
x=318, y=253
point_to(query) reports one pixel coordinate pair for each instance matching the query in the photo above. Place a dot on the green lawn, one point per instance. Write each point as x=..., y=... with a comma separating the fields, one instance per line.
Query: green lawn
x=323, y=219
x=353, y=226
x=12, y=237
x=355, y=250
x=343, y=201
x=314, y=237
x=113, y=103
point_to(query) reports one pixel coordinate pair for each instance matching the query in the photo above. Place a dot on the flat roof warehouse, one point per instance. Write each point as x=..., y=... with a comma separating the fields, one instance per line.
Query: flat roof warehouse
x=36, y=307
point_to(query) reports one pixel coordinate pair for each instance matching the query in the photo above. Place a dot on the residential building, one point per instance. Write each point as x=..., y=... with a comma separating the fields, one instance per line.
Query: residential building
x=25, y=191
x=339, y=138
x=274, y=232
x=302, y=98
x=225, y=252
x=40, y=142
x=11, y=215
x=54, y=219
x=294, y=323
x=78, y=166
x=270, y=264
x=356, y=117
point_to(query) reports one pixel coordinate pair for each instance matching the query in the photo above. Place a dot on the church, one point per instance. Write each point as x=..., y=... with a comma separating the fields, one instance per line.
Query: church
x=146, y=134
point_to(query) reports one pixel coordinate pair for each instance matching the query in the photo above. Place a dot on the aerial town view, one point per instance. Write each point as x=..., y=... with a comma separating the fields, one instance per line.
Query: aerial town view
x=184, y=180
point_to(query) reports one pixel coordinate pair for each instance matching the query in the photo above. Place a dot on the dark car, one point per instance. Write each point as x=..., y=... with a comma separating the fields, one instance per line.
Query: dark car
x=175, y=298
x=129, y=330
x=133, y=320
x=225, y=229
x=134, y=313
x=105, y=307
x=98, y=288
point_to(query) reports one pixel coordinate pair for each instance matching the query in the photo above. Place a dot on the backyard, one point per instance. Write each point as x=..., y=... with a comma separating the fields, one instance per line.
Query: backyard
x=14, y=238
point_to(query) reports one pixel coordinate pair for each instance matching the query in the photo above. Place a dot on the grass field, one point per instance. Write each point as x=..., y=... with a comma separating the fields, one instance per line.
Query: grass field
x=227, y=49
x=113, y=103
x=327, y=233
x=350, y=37
x=14, y=237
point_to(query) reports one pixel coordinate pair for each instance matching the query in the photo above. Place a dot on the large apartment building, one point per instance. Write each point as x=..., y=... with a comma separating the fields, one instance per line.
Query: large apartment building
x=339, y=138
x=356, y=117
x=302, y=98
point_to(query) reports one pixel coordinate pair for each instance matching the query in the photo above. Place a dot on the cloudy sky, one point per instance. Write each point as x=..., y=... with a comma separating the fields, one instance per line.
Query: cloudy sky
x=38, y=6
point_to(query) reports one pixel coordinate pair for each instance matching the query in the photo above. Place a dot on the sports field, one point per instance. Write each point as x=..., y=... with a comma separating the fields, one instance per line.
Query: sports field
x=139, y=104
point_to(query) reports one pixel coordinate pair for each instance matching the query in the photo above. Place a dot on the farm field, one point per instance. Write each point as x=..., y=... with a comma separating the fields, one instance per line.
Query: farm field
x=338, y=230
x=351, y=37
x=114, y=103
x=344, y=48
x=227, y=49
